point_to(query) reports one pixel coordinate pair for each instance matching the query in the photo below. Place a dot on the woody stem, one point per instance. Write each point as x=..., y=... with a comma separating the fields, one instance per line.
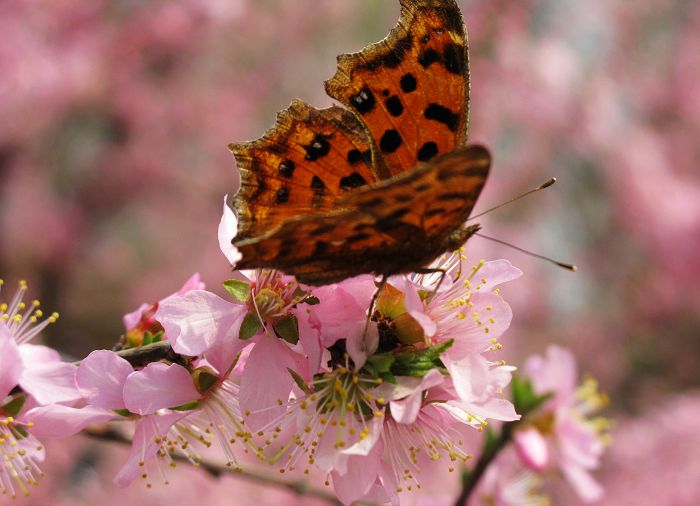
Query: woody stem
x=215, y=469
x=470, y=480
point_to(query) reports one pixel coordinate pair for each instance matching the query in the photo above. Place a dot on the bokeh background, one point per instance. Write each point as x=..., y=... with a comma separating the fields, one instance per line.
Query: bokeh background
x=114, y=121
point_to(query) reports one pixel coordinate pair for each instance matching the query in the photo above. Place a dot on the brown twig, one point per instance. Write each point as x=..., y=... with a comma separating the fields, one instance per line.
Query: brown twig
x=470, y=480
x=216, y=470
x=144, y=355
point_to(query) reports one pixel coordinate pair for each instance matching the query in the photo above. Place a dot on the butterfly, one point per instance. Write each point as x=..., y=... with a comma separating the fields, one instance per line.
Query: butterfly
x=383, y=185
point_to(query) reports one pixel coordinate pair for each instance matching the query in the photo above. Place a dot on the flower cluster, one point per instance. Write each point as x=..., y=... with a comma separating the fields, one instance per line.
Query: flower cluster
x=375, y=385
x=559, y=435
x=31, y=376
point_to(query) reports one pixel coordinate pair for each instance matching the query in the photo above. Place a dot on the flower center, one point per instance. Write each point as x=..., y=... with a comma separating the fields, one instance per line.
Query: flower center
x=24, y=321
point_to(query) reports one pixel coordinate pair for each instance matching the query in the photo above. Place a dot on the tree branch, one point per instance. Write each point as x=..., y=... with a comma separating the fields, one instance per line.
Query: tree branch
x=470, y=480
x=144, y=355
x=216, y=470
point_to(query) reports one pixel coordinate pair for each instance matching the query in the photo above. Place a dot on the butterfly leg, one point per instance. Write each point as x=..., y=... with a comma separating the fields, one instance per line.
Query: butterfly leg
x=429, y=270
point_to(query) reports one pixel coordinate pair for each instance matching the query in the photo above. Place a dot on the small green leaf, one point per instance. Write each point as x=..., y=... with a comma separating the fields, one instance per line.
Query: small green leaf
x=250, y=326
x=388, y=377
x=13, y=407
x=287, y=328
x=122, y=412
x=204, y=378
x=419, y=362
x=525, y=399
x=381, y=362
x=189, y=406
x=300, y=381
x=21, y=431
x=239, y=289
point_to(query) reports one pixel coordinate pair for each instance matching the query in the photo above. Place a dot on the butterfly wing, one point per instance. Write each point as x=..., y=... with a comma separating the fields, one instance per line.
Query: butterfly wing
x=302, y=165
x=396, y=225
x=411, y=90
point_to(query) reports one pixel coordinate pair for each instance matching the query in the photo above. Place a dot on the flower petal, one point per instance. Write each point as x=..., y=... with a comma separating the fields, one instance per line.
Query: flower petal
x=48, y=382
x=158, y=386
x=359, y=477
x=406, y=410
x=196, y=320
x=498, y=272
x=228, y=228
x=362, y=343
x=144, y=445
x=10, y=361
x=531, y=447
x=101, y=377
x=57, y=420
x=266, y=382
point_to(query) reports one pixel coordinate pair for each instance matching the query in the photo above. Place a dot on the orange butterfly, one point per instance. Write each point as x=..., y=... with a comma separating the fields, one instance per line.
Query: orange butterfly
x=384, y=187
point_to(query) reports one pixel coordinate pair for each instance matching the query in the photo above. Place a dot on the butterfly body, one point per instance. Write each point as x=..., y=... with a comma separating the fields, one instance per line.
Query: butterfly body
x=382, y=185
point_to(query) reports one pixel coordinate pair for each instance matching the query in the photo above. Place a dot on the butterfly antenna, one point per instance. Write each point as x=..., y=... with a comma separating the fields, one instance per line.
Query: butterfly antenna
x=544, y=185
x=570, y=267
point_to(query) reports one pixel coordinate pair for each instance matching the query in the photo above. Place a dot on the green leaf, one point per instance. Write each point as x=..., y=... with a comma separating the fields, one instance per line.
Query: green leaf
x=204, y=378
x=250, y=326
x=287, y=328
x=150, y=338
x=419, y=362
x=122, y=412
x=13, y=407
x=189, y=406
x=300, y=381
x=381, y=362
x=239, y=289
x=388, y=377
x=311, y=300
x=525, y=399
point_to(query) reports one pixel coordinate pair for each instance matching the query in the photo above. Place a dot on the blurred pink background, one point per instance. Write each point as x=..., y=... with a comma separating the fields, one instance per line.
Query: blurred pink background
x=115, y=117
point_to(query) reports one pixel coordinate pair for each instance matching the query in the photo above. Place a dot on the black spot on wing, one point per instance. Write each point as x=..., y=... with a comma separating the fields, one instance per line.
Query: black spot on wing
x=394, y=106
x=392, y=220
x=455, y=196
x=390, y=142
x=441, y=114
x=318, y=148
x=408, y=83
x=403, y=198
x=282, y=195
x=317, y=184
x=393, y=57
x=428, y=57
x=356, y=156
x=363, y=101
x=453, y=57
x=427, y=151
x=434, y=211
x=354, y=180
x=286, y=168
x=422, y=187
x=374, y=202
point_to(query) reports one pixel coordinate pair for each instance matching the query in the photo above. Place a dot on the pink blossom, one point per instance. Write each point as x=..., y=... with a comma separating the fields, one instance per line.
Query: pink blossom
x=19, y=455
x=201, y=323
x=109, y=383
x=143, y=320
x=561, y=434
x=467, y=308
x=228, y=228
x=43, y=374
x=506, y=483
